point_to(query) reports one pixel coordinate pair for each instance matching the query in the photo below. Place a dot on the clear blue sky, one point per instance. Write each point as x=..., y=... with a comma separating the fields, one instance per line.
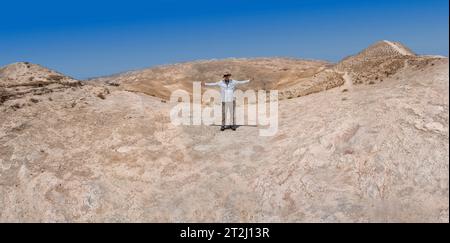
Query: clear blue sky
x=91, y=38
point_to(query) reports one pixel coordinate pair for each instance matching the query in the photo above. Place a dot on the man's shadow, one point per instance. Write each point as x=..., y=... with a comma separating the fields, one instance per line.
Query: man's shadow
x=236, y=126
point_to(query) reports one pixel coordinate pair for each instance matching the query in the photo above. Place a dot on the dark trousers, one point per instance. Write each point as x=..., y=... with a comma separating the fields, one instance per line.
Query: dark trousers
x=230, y=107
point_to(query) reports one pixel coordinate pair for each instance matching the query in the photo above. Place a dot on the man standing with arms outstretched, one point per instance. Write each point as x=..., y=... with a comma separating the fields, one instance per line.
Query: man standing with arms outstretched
x=227, y=87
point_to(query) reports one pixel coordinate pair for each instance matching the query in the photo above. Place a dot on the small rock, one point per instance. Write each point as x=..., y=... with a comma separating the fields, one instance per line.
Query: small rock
x=101, y=96
x=348, y=151
x=16, y=106
x=112, y=83
x=435, y=126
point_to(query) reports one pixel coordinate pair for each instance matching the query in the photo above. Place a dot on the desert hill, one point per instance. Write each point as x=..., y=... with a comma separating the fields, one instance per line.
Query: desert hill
x=292, y=77
x=266, y=73
x=22, y=78
x=379, y=61
x=28, y=74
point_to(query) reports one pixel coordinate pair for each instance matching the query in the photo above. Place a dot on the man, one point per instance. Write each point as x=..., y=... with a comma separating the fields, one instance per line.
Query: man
x=227, y=87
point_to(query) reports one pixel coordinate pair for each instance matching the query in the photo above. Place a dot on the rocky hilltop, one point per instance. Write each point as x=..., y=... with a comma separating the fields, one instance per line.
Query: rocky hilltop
x=379, y=61
x=21, y=79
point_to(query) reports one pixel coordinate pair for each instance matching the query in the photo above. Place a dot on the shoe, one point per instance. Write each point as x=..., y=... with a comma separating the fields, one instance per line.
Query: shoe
x=222, y=128
x=233, y=128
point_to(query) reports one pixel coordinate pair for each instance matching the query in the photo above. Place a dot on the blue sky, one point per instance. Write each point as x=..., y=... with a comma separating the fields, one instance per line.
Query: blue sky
x=93, y=38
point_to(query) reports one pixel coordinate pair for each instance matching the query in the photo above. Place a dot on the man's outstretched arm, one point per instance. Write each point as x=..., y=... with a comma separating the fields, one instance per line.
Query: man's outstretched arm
x=242, y=82
x=212, y=84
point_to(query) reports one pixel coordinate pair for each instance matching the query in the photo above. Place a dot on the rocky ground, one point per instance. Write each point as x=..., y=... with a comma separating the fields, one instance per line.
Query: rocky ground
x=356, y=152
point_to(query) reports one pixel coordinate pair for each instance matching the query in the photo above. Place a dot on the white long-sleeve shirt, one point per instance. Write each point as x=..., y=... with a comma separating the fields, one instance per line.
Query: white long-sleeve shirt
x=227, y=90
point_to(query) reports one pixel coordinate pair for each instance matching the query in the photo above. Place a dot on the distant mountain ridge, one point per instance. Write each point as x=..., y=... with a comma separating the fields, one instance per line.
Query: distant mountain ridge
x=292, y=77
